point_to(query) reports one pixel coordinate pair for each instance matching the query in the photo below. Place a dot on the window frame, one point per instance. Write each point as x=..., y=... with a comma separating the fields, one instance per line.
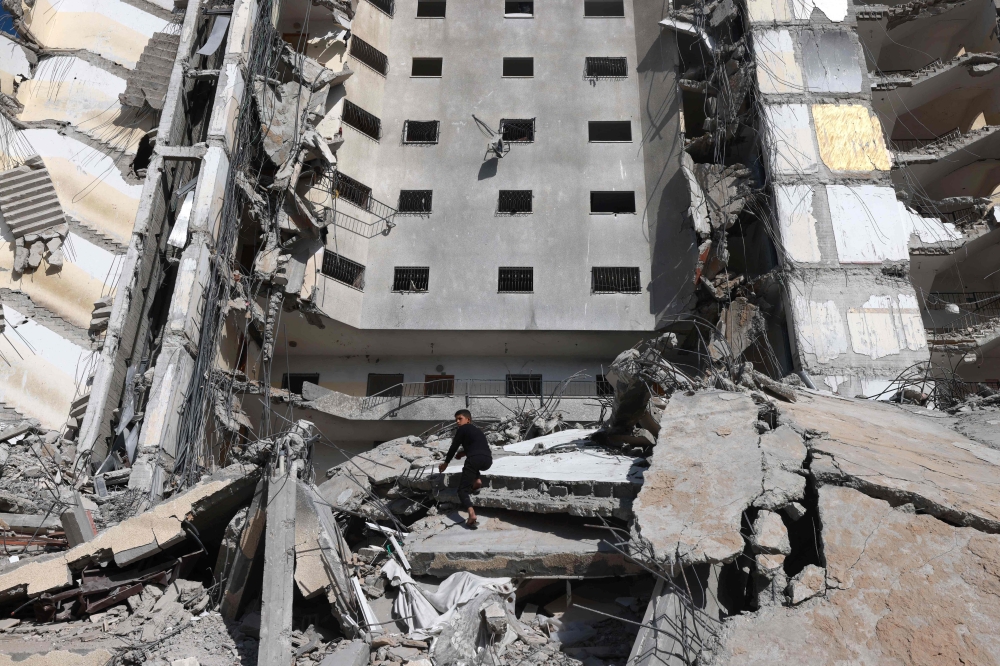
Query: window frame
x=630, y=276
x=627, y=212
x=532, y=380
x=588, y=60
x=409, y=142
x=362, y=51
x=288, y=378
x=591, y=123
x=352, y=108
x=413, y=64
x=530, y=273
x=430, y=200
x=402, y=380
x=512, y=59
x=359, y=276
x=440, y=2
x=512, y=121
x=513, y=193
x=425, y=279
x=519, y=15
x=602, y=16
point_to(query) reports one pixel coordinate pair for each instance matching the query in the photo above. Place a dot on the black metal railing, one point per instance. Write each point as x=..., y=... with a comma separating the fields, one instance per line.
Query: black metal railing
x=606, y=68
x=615, y=280
x=359, y=194
x=975, y=308
x=343, y=270
x=361, y=120
x=421, y=131
x=415, y=201
x=911, y=145
x=411, y=279
x=512, y=386
x=514, y=202
x=518, y=130
x=516, y=280
x=387, y=7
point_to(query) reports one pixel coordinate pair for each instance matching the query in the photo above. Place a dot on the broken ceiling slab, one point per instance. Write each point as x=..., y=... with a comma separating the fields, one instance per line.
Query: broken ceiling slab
x=546, y=442
x=898, y=584
x=901, y=456
x=705, y=471
x=587, y=482
x=147, y=83
x=138, y=537
x=510, y=544
x=783, y=455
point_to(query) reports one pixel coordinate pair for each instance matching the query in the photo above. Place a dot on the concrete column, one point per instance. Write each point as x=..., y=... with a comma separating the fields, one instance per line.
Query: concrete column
x=279, y=573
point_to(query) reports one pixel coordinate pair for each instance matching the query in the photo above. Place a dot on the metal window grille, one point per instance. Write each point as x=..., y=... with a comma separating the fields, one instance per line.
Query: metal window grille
x=384, y=385
x=524, y=385
x=604, y=387
x=604, y=8
x=415, y=201
x=292, y=382
x=369, y=55
x=421, y=131
x=516, y=281
x=411, y=279
x=513, y=202
x=612, y=202
x=607, y=68
x=387, y=7
x=615, y=280
x=519, y=130
x=344, y=270
x=357, y=193
x=361, y=120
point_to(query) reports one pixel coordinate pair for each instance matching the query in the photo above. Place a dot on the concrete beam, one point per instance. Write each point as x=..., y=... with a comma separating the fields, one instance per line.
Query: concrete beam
x=279, y=573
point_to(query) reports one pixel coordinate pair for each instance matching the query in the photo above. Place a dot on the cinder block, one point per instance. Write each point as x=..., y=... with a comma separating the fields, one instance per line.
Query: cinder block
x=602, y=489
x=583, y=489
x=558, y=491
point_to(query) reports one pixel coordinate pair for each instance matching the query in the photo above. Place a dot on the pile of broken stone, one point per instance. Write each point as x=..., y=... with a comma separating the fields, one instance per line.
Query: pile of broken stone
x=727, y=519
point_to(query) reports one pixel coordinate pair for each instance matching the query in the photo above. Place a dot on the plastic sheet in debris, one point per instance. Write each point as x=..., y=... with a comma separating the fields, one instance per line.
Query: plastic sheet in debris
x=425, y=612
x=546, y=442
x=589, y=465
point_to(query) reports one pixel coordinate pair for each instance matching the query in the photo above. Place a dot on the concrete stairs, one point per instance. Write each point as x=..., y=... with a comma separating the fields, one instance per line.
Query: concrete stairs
x=23, y=304
x=147, y=83
x=28, y=199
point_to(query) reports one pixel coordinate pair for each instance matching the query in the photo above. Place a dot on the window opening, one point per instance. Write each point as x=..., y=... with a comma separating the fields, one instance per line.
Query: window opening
x=516, y=280
x=519, y=67
x=607, y=68
x=524, y=385
x=427, y=67
x=601, y=131
x=385, y=6
x=612, y=202
x=369, y=55
x=384, y=385
x=514, y=202
x=361, y=120
x=292, y=382
x=518, y=130
x=357, y=193
x=518, y=9
x=421, y=131
x=414, y=201
x=411, y=279
x=343, y=270
x=604, y=8
x=431, y=8
x=439, y=385
x=615, y=280
x=604, y=387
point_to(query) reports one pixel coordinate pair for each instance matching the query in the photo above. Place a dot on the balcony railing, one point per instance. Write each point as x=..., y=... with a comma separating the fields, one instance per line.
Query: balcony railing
x=485, y=388
x=975, y=308
x=911, y=145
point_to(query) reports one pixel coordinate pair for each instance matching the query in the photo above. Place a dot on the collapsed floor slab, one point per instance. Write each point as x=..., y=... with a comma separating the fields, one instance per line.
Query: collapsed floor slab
x=901, y=456
x=512, y=544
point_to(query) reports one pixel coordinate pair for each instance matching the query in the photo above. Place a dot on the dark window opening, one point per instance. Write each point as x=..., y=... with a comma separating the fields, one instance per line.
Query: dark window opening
x=387, y=385
x=604, y=387
x=612, y=202
x=414, y=201
x=369, y=55
x=607, y=68
x=292, y=382
x=357, y=193
x=430, y=8
x=439, y=384
x=524, y=385
x=615, y=280
x=610, y=8
x=361, y=120
x=521, y=131
x=516, y=281
x=421, y=131
x=410, y=279
x=427, y=67
x=518, y=8
x=513, y=202
x=609, y=130
x=385, y=6
x=343, y=270
x=523, y=67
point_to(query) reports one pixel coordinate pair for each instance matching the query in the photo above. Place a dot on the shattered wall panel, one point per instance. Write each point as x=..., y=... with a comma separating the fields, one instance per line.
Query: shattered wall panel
x=113, y=29
x=850, y=138
x=819, y=328
x=830, y=61
x=797, y=223
x=884, y=326
x=792, y=141
x=866, y=224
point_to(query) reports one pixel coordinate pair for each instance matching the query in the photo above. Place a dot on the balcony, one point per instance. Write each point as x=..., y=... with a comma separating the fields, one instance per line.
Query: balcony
x=955, y=165
x=340, y=200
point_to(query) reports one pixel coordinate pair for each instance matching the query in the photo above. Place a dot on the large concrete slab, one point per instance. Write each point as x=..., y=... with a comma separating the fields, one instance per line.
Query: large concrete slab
x=905, y=589
x=901, y=456
x=511, y=544
x=705, y=471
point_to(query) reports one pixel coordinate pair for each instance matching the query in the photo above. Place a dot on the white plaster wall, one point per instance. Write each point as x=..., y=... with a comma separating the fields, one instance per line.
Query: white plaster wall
x=110, y=28
x=820, y=328
x=866, y=224
x=797, y=223
x=835, y=10
x=777, y=71
x=929, y=230
x=884, y=326
x=42, y=371
x=14, y=65
x=793, y=145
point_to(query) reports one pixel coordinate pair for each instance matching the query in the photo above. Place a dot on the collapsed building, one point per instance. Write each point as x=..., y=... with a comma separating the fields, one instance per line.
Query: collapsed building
x=783, y=212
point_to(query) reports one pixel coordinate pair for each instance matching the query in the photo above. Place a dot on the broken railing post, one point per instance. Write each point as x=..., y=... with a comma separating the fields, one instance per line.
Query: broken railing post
x=279, y=569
